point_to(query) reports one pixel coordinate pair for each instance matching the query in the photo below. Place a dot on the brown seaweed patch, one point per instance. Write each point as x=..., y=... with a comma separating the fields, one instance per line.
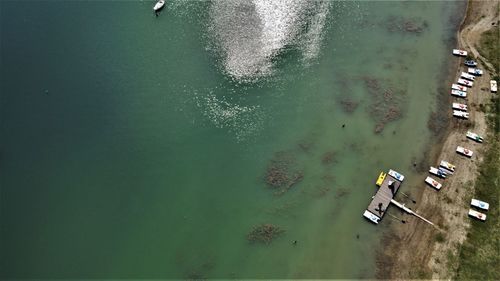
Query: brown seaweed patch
x=282, y=172
x=349, y=105
x=329, y=158
x=264, y=233
x=411, y=25
x=341, y=192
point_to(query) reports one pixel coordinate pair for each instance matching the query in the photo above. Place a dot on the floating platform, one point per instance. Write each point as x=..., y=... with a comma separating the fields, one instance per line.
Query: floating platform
x=382, y=199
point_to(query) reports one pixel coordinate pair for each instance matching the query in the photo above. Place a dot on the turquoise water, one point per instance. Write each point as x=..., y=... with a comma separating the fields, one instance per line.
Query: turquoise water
x=136, y=147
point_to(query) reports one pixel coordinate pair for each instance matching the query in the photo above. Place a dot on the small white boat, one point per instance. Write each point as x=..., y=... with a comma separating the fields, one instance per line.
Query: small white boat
x=432, y=182
x=465, y=82
x=464, y=151
x=459, y=87
x=477, y=215
x=459, y=106
x=457, y=93
x=458, y=52
x=470, y=63
x=480, y=204
x=396, y=175
x=493, y=86
x=437, y=172
x=475, y=71
x=461, y=114
x=468, y=76
x=444, y=171
x=159, y=5
x=474, y=136
x=370, y=216
x=447, y=165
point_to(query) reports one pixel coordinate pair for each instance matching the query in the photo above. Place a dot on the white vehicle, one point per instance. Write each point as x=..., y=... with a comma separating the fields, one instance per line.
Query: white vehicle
x=458, y=93
x=432, y=182
x=468, y=76
x=396, y=175
x=477, y=215
x=475, y=71
x=458, y=52
x=474, y=136
x=461, y=114
x=480, y=204
x=369, y=215
x=464, y=151
x=437, y=172
x=447, y=165
x=459, y=106
x=493, y=86
x=459, y=87
x=159, y=5
x=465, y=82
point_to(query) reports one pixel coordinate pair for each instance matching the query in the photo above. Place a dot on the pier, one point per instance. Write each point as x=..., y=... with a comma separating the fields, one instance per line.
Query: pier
x=382, y=199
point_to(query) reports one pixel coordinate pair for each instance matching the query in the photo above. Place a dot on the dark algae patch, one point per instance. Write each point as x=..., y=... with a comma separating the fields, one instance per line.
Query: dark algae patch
x=283, y=172
x=264, y=233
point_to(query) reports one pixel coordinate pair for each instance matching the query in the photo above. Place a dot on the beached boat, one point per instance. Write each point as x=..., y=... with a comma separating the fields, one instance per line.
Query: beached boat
x=447, y=165
x=493, y=86
x=477, y=215
x=461, y=114
x=396, y=175
x=480, y=204
x=458, y=87
x=474, y=136
x=432, y=182
x=475, y=71
x=444, y=171
x=464, y=151
x=370, y=216
x=459, y=106
x=457, y=93
x=465, y=82
x=381, y=178
x=458, y=52
x=467, y=76
x=159, y=5
x=470, y=63
x=437, y=172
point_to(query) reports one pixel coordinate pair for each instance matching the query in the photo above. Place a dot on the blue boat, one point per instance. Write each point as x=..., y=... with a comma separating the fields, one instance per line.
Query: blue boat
x=470, y=63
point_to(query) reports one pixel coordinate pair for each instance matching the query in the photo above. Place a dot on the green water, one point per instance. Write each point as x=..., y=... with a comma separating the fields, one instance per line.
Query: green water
x=126, y=151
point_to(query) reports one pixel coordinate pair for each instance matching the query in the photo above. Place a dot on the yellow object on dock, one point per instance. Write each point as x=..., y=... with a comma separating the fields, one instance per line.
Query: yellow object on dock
x=380, y=179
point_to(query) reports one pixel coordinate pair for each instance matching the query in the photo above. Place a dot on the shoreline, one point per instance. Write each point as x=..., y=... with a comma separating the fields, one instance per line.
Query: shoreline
x=416, y=243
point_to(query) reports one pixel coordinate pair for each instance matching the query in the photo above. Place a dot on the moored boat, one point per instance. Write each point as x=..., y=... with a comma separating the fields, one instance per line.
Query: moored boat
x=432, y=182
x=447, y=165
x=370, y=216
x=437, y=172
x=468, y=76
x=464, y=151
x=459, y=87
x=477, y=215
x=381, y=178
x=396, y=175
x=480, y=204
x=474, y=136
x=470, y=63
x=465, y=82
x=458, y=52
x=457, y=93
x=159, y=5
x=475, y=71
x=461, y=114
x=493, y=86
x=459, y=106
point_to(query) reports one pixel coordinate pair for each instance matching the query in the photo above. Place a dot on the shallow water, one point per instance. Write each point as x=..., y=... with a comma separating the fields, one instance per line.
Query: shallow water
x=136, y=147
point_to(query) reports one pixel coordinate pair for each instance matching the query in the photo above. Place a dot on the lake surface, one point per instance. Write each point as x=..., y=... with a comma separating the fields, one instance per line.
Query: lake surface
x=135, y=146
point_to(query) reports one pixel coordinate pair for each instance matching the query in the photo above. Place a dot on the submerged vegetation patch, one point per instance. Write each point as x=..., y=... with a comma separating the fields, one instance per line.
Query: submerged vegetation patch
x=406, y=25
x=283, y=172
x=264, y=233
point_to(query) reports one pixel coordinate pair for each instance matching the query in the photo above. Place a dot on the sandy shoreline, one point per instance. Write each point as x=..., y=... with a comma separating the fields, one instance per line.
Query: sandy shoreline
x=411, y=249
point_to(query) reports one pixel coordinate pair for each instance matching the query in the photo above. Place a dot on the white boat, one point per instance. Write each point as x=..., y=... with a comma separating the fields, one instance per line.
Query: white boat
x=493, y=86
x=474, y=136
x=437, y=172
x=459, y=106
x=480, y=204
x=396, y=175
x=432, y=182
x=159, y=5
x=468, y=76
x=477, y=215
x=464, y=151
x=444, y=171
x=459, y=87
x=458, y=93
x=370, y=216
x=475, y=71
x=458, y=52
x=461, y=114
x=447, y=165
x=470, y=63
x=465, y=82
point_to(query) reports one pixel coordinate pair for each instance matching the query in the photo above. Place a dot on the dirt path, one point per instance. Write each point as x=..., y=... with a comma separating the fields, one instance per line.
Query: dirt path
x=412, y=250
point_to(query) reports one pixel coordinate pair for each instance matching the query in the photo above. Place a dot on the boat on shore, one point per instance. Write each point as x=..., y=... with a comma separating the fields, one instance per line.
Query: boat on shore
x=447, y=165
x=475, y=71
x=459, y=106
x=467, y=76
x=470, y=63
x=474, y=136
x=459, y=87
x=370, y=216
x=458, y=52
x=477, y=215
x=437, y=172
x=433, y=183
x=396, y=175
x=159, y=5
x=464, y=151
x=457, y=93
x=465, y=82
x=493, y=86
x=480, y=204
x=461, y=114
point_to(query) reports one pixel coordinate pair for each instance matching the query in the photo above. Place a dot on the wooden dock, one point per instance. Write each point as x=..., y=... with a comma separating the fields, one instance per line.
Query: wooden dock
x=384, y=195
